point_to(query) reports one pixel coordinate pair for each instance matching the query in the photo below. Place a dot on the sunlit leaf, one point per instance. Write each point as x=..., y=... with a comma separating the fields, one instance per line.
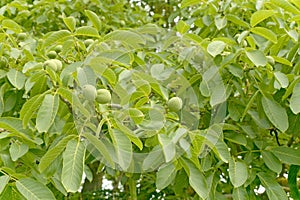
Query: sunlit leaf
x=260, y=16
x=257, y=57
x=215, y=48
x=3, y=182
x=87, y=31
x=94, y=19
x=266, y=33
x=70, y=22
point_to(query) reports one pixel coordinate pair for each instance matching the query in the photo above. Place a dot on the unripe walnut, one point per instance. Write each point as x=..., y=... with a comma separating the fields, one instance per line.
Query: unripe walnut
x=88, y=42
x=50, y=64
x=175, y=104
x=58, y=48
x=58, y=64
x=51, y=54
x=21, y=36
x=103, y=96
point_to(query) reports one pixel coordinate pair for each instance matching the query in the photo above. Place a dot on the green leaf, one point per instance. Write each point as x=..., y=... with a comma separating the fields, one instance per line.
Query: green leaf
x=238, y=173
x=130, y=38
x=221, y=150
x=94, y=19
x=236, y=138
x=215, y=48
x=54, y=152
x=257, y=57
x=237, y=20
x=275, y=113
x=286, y=6
x=11, y=192
x=3, y=182
x=220, y=22
x=165, y=176
x=240, y=193
x=282, y=79
x=130, y=134
x=16, y=78
x=168, y=146
x=197, y=179
x=56, y=37
x=272, y=161
x=73, y=100
x=14, y=126
x=47, y=112
x=282, y=61
x=287, y=155
x=73, y=163
x=293, y=181
x=186, y=3
x=86, y=76
x=154, y=159
x=70, y=22
x=295, y=99
x=11, y=25
x=296, y=2
x=17, y=150
x=30, y=107
x=218, y=95
x=182, y=27
x=260, y=16
x=249, y=104
x=274, y=190
x=266, y=33
x=123, y=148
x=34, y=190
x=87, y=31
x=100, y=146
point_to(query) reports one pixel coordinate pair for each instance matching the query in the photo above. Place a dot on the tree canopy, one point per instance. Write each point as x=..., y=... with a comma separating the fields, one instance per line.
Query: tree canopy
x=118, y=99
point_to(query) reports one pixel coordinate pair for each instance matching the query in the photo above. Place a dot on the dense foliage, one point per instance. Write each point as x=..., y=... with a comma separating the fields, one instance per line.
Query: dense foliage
x=186, y=99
